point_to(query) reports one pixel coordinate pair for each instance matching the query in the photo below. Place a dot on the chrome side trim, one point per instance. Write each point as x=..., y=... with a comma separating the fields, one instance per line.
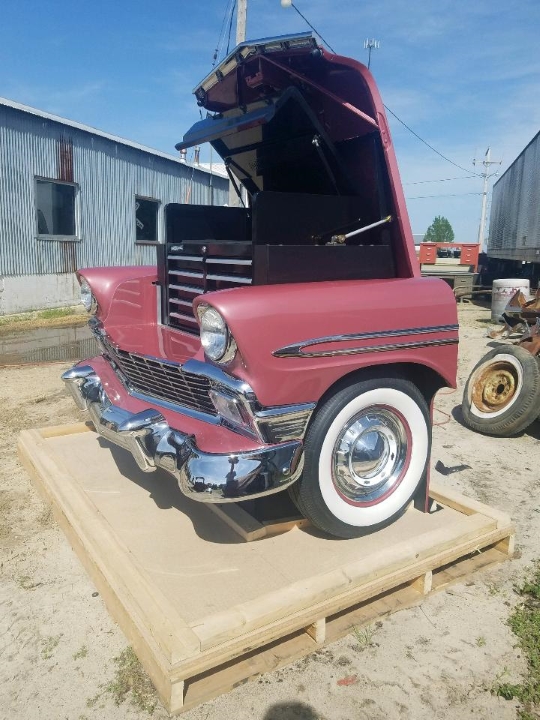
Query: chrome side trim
x=296, y=349
x=279, y=424
x=202, y=476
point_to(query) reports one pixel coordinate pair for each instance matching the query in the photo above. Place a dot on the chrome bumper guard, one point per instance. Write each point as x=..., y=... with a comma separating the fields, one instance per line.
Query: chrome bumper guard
x=202, y=476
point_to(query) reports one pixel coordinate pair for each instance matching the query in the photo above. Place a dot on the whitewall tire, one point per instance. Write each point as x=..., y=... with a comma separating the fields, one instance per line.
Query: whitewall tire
x=366, y=454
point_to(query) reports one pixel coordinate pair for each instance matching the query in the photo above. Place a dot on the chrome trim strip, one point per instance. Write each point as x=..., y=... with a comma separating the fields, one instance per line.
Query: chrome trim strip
x=375, y=348
x=295, y=349
x=288, y=422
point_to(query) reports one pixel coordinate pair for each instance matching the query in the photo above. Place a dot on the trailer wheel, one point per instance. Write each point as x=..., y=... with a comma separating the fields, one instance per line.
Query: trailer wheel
x=366, y=453
x=502, y=394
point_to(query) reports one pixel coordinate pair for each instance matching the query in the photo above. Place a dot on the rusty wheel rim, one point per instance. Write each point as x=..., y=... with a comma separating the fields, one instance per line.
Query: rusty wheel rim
x=496, y=386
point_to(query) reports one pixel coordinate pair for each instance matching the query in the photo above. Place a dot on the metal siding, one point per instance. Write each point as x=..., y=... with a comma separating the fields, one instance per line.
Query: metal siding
x=108, y=174
x=514, y=231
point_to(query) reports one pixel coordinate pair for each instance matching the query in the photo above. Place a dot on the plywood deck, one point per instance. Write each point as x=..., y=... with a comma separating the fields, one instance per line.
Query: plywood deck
x=202, y=608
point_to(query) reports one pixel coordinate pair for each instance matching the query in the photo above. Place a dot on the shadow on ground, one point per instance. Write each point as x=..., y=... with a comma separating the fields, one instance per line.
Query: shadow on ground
x=291, y=711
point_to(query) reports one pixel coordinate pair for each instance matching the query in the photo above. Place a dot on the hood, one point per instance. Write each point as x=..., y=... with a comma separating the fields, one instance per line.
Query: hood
x=284, y=115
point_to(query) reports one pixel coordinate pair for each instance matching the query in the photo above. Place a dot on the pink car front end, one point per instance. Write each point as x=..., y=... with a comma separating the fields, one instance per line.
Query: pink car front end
x=291, y=343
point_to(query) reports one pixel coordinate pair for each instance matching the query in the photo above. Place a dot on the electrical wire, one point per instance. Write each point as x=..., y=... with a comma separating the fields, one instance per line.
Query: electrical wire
x=221, y=37
x=304, y=18
x=473, y=174
x=421, y=197
x=230, y=27
x=462, y=177
x=416, y=135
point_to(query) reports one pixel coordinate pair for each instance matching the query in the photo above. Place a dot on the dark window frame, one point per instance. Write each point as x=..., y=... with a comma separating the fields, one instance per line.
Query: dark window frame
x=158, y=205
x=50, y=236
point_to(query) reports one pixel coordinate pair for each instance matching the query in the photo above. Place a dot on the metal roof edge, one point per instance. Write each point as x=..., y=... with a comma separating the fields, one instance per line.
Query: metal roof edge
x=100, y=133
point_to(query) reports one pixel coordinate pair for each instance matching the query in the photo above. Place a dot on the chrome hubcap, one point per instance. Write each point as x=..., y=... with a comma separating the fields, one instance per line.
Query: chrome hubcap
x=369, y=455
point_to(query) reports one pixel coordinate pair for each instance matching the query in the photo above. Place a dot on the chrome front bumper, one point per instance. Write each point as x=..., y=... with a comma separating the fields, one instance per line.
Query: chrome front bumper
x=202, y=476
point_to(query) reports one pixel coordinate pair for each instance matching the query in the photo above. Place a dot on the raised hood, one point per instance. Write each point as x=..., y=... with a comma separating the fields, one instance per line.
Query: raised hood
x=285, y=115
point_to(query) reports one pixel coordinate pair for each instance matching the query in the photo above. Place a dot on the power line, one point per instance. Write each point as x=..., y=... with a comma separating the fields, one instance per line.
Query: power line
x=462, y=177
x=304, y=18
x=421, y=197
x=288, y=3
x=221, y=38
x=230, y=27
x=428, y=145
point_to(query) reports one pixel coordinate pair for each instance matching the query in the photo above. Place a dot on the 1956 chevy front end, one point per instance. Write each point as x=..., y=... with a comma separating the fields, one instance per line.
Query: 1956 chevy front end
x=291, y=342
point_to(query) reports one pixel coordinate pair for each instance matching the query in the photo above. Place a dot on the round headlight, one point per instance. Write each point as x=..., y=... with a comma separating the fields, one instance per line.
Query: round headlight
x=87, y=298
x=215, y=337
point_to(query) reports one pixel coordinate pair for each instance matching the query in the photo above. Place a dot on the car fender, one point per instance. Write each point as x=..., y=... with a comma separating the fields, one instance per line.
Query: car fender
x=295, y=341
x=123, y=294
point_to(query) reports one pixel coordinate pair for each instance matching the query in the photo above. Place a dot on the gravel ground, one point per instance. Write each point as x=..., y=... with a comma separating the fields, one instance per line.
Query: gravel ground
x=440, y=660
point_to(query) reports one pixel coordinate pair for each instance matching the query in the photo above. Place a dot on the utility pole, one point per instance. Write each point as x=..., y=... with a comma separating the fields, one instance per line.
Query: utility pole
x=486, y=162
x=371, y=45
x=241, y=19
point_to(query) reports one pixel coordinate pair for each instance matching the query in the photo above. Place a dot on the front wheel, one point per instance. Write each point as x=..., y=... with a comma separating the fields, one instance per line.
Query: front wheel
x=366, y=453
x=502, y=394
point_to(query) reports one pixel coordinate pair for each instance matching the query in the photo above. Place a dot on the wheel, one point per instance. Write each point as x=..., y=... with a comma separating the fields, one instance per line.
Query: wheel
x=502, y=394
x=366, y=453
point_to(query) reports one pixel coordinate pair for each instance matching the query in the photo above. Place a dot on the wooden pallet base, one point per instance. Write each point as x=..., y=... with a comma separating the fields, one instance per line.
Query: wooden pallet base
x=203, y=609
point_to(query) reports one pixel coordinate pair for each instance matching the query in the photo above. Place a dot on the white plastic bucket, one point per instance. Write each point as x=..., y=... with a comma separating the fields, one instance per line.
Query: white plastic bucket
x=503, y=290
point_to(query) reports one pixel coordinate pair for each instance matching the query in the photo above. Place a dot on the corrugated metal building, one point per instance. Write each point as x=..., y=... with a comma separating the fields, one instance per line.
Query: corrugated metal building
x=72, y=196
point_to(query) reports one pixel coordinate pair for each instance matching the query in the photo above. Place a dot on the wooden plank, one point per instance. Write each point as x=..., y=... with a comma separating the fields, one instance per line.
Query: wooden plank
x=233, y=515
x=190, y=662
x=105, y=559
x=249, y=527
x=390, y=566
x=231, y=649
x=317, y=630
x=292, y=647
x=61, y=430
x=424, y=583
x=507, y=545
x=466, y=505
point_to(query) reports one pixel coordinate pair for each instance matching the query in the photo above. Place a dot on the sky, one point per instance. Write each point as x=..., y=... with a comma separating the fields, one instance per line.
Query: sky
x=463, y=74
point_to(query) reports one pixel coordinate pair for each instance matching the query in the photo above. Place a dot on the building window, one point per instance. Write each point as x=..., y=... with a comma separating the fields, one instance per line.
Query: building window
x=146, y=220
x=55, y=207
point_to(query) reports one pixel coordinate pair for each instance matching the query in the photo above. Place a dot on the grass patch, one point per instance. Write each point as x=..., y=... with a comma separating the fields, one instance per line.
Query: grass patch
x=364, y=636
x=49, y=645
x=74, y=315
x=525, y=623
x=25, y=582
x=129, y=679
x=55, y=313
x=81, y=653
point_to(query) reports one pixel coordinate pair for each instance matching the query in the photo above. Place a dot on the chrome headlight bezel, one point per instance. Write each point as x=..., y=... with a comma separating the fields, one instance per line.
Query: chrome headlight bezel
x=216, y=339
x=88, y=300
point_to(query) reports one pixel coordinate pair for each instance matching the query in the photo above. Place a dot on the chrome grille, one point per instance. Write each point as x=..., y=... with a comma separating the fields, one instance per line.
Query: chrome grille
x=194, y=269
x=163, y=380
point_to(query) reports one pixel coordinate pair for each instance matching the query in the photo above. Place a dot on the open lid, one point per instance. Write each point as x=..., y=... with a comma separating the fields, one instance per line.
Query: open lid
x=280, y=106
x=280, y=146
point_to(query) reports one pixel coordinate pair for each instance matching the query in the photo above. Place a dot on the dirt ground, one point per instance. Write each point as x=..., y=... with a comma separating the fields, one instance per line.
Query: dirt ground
x=440, y=660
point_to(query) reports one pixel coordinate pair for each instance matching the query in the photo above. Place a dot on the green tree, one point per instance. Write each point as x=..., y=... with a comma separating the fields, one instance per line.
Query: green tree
x=439, y=231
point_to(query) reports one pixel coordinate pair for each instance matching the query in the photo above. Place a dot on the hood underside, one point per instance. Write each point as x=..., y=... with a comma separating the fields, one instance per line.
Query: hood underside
x=285, y=115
